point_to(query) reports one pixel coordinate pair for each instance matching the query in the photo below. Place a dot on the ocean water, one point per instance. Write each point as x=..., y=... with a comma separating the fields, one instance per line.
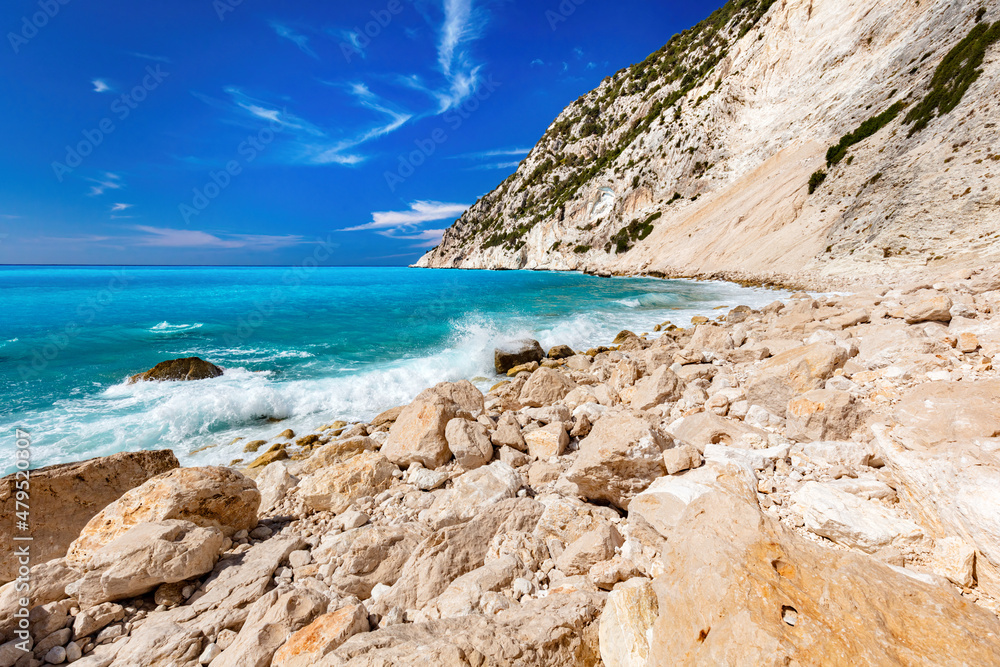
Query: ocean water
x=303, y=346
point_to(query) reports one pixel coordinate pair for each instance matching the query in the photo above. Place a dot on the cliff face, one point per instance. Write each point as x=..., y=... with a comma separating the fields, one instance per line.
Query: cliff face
x=700, y=160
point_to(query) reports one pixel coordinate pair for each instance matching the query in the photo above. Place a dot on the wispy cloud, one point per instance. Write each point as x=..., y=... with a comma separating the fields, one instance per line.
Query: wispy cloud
x=108, y=182
x=537, y=62
x=164, y=237
x=100, y=86
x=462, y=25
x=120, y=207
x=298, y=39
x=7, y=216
x=146, y=56
x=498, y=152
x=428, y=237
x=494, y=165
x=419, y=212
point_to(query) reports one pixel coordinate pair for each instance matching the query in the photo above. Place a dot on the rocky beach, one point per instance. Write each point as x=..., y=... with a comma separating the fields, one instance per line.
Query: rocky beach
x=811, y=482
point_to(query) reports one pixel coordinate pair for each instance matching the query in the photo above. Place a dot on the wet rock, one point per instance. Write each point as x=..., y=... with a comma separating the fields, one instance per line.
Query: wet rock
x=191, y=368
x=516, y=353
x=561, y=352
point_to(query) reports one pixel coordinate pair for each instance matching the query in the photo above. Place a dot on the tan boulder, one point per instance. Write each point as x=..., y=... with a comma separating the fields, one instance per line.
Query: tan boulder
x=418, y=435
x=739, y=588
x=143, y=557
x=954, y=560
x=589, y=549
x=463, y=393
x=65, y=497
x=567, y=519
x=270, y=622
x=370, y=556
x=708, y=428
x=469, y=443
x=333, y=453
x=628, y=615
x=472, y=492
x=309, y=645
x=952, y=490
x=334, y=488
x=215, y=497
x=662, y=386
x=823, y=414
x=794, y=372
x=508, y=433
x=622, y=455
x=681, y=458
x=936, y=412
x=929, y=309
x=549, y=440
x=712, y=338
x=545, y=387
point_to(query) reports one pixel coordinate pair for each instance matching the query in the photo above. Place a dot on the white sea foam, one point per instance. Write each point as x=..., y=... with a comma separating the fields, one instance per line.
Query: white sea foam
x=168, y=328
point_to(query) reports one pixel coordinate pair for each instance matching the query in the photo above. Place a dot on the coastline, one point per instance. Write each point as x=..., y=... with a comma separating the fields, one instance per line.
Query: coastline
x=576, y=502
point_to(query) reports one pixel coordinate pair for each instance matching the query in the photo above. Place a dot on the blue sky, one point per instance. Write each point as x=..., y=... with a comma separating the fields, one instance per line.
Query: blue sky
x=241, y=131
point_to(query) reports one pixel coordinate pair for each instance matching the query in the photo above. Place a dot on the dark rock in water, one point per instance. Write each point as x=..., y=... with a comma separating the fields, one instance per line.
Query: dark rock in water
x=561, y=352
x=517, y=353
x=65, y=497
x=191, y=368
x=623, y=336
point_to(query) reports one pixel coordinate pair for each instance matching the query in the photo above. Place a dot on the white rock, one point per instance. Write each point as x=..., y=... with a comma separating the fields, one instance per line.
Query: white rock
x=849, y=520
x=758, y=459
x=210, y=653
x=955, y=560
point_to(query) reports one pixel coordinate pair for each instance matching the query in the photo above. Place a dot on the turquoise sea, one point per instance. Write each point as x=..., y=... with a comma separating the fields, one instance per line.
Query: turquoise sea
x=300, y=345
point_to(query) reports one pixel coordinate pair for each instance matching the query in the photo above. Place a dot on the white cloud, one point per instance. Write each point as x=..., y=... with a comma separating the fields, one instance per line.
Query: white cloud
x=299, y=40
x=146, y=56
x=120, y=207
x=164, y=237
x=428, y=237
x=499, y=152
x=420, y=211
x=109, y=182
x=462, y=24
x=494, y=165
x=100, y=86
x=537, y=62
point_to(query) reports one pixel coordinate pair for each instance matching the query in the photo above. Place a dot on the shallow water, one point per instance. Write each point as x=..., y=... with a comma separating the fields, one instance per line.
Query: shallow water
x=302, y=346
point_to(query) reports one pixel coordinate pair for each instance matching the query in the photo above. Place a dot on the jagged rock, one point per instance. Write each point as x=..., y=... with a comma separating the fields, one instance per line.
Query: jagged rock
x=561, y=352
x=508, y=433
x=95, y=618
x=387, y=416
x=937, y=412
x=455, y=550
x=794, y=372
x=589, y=549
x=424, y=479
x=375, y=556
x=418, y=435
x=680, y=458
x=661, y=387
x=472, y=492
x=951, y=488
x=155, y=644
x=213, y=497
x=929, y=309
x=622, y=455
x=849, y=520
x=65, y=497
x=462, y=597
x=274, y=482
x=333, y=489
x=706, y=428
x=463, y=393
x=235, y=587
x=308, y=646
x=549, y=414
x=191, y=368
x=48, y=584
x=547, y=441
x=710, y=337
x=800, y=591
x=516, y=353
x=332, y=454
x=270, y=622
x=823, y=414
x=545, y=387
x=755, y=459
x=955, y=560
x=627, y=618
x=469, y=443
x=143, y=557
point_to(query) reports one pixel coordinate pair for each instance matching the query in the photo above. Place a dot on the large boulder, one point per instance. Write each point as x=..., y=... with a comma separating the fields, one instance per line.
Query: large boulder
x=472, y=493
x=516, y=353
x=937, y=412
x=952, y=489
x=418, y=434
x=707, y=428
x=334, y=488
x=309, y=645
x=545, y=387
x=662, y=386
x=65, y=497
x=621, y=457
x=932, y=308
x=469, y=443
x=143, y=557
x=628, y=615
x=215, y=497
x=824, y=414
x=794, y=372
x=739, y=588
x=177, y=370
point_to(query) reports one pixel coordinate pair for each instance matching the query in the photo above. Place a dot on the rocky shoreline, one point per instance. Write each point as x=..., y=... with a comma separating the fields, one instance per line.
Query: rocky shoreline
x=813, y=482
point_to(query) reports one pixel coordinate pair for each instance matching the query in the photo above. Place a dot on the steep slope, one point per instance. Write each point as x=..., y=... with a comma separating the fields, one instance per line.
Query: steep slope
x=700, y=160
